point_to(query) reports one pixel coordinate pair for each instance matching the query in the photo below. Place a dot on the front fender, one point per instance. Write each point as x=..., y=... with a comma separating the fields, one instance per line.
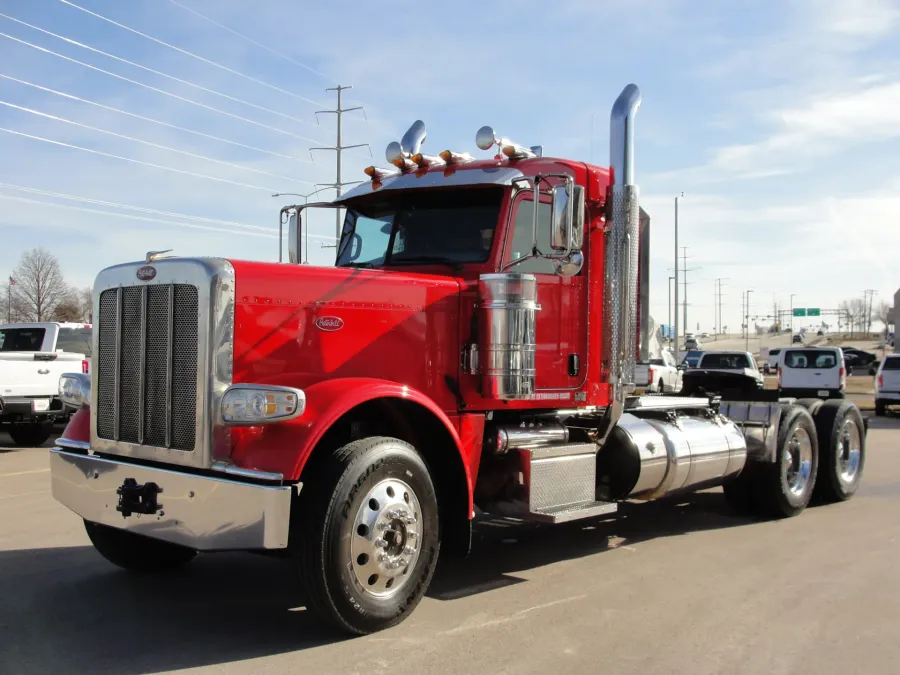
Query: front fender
x=79, y=426
x=285, y=446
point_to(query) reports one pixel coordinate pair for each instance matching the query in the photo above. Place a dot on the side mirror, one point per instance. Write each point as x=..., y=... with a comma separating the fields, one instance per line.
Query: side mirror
x=294, y=237
x=567, y=218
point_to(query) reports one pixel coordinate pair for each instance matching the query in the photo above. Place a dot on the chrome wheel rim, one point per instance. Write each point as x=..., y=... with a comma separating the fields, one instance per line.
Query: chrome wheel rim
x=849, y=451
x=796, y=462
x=386, y=538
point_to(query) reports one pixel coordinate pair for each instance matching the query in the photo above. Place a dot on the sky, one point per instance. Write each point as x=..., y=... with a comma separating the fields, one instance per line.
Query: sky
x=778, y=120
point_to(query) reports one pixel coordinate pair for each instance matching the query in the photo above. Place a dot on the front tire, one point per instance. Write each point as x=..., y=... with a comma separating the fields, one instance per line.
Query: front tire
x=662, y=387
x=784, y=488
x=842, y=442
x=366, y=536
x=30, y=435
x=134, y=552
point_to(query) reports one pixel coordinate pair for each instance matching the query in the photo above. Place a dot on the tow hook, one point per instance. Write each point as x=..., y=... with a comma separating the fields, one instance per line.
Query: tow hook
x=134, y=498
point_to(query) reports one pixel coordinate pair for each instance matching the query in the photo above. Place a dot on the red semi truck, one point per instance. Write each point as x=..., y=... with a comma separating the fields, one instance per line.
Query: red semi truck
x=471, y=351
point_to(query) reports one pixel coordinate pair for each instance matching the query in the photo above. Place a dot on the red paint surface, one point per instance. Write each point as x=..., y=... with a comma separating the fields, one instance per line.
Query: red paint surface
x=79, y=426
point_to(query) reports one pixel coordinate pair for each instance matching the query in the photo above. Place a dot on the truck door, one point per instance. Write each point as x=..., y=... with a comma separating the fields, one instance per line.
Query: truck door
x=561, y=322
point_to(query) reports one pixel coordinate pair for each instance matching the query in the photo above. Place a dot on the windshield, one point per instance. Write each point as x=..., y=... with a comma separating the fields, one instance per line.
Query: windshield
x=21, y=339
x=726, y=361
x=421, y=226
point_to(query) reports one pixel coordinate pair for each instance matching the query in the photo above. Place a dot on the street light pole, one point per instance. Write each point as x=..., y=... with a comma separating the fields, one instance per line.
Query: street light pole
x=747, y=323
x=792, y=315
x=676, y=276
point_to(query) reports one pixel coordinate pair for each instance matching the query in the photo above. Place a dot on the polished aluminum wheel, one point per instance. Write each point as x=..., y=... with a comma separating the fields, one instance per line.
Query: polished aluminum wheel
x=796, y=463
x=849, y=451
x=386, y=537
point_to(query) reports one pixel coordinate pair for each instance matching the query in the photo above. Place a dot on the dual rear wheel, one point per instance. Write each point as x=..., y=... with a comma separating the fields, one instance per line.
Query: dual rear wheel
x=820, y=452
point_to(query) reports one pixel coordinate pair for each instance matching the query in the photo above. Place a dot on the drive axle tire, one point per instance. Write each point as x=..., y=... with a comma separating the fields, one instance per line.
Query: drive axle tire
x=30, y=435
x=842, y=450
x=134, y=552
x=783, y=489
x=811, y=404
x=880, y=408
x=365, y=536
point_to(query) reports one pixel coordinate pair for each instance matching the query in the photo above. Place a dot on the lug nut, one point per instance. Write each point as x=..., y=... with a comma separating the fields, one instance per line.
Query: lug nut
x=380, y=543
x=382, y=558
x=410, y=521
x=409, y=550
x=383, y=526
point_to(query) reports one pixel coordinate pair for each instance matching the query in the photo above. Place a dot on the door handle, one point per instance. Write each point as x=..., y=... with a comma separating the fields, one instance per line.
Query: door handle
x=43, y=371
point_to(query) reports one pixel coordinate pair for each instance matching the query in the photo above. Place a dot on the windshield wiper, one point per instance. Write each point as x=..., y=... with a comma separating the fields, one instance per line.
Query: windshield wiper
x=412, y=260
x=364, y=265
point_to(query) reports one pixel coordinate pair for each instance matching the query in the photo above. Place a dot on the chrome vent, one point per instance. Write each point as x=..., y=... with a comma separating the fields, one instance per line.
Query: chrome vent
x=146, y=365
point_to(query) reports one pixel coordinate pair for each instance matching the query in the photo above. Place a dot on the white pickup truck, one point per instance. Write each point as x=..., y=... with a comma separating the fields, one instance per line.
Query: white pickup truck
x=659, y=375
x=32, y=358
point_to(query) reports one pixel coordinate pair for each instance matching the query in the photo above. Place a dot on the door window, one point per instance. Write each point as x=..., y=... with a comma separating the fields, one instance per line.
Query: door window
x=523, y=230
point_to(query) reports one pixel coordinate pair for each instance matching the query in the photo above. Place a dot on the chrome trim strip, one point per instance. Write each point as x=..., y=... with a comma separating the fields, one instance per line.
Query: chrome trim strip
x=72, y=444
x=444, y=177
x=170, y=363
x=230, y=470
x=201, y=512
x=214, y=280
x=118, y=358
x=142, y=364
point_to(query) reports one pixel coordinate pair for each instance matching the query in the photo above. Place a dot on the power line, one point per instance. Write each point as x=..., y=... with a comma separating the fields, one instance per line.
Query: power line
x=158, y=91
x=133, y=217
x=138, y=161
x=191, y=54
x=142, y=209
x=155, y=72
x=154, y=121
x=152, y=145
x=100, y=202
x=254, y=42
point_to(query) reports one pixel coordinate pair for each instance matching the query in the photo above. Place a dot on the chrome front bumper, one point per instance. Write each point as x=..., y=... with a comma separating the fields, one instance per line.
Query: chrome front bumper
x=200, y=512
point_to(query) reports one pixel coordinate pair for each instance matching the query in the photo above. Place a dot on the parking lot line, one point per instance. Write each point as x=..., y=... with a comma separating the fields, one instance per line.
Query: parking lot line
x=23, y=473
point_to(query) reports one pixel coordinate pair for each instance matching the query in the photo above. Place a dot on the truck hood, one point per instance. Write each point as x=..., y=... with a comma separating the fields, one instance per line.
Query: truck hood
x=298, y=324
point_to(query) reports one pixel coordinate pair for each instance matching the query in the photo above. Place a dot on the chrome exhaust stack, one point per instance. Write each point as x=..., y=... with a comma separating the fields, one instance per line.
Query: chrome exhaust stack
x=620, y=285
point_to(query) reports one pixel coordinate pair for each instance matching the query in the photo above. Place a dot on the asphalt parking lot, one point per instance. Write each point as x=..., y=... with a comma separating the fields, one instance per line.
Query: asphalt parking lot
x=681, y=587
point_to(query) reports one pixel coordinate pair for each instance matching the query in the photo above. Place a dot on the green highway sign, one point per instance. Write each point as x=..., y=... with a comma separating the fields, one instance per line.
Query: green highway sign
x=800, y=311
x=813, y=311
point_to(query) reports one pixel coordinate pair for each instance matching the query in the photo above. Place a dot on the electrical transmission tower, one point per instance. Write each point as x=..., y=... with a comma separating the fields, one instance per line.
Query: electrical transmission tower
x=339, y=148
x=685, y=270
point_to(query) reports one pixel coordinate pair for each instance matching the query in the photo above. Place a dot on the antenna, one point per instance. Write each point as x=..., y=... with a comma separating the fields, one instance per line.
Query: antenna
x=338, y=149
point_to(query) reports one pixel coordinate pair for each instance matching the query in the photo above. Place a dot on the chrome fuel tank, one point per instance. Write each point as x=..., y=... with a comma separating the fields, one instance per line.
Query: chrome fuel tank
x=650, y=457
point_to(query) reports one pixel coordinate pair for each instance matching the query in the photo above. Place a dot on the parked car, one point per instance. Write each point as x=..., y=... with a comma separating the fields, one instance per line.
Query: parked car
x=659, y=375
x=861, y=357
x=32, y=358
x=728, y=374
x=812, y=372
x=887, y=384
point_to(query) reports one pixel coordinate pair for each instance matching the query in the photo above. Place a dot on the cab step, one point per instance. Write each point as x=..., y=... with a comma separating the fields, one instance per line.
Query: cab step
x=567, y=512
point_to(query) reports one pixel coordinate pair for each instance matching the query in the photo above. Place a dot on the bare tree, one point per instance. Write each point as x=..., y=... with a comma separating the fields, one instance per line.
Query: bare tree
x=68, y=310
x=86, y=304
x=881, y=312
x=39, y=286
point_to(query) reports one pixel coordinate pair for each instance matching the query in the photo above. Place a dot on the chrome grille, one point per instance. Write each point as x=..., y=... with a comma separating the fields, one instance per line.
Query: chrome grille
x=147, y=365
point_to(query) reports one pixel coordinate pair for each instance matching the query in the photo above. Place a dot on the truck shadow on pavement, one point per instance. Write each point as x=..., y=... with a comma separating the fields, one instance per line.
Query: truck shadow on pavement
x=68, y=610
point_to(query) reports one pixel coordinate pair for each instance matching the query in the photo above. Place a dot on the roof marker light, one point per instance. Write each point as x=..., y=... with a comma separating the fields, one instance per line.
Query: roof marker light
x=427, y=160
x=452, y=157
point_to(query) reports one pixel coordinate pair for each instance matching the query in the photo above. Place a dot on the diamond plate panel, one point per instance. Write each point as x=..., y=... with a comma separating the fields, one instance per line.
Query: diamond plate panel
x=559, y=481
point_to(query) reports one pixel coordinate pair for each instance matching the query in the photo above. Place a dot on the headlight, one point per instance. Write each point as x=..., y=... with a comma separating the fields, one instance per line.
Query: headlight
x=258, y=404
x=75, y=389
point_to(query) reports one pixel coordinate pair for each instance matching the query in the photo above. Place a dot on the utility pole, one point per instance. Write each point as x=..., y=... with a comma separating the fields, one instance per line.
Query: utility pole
x=669, y=331
x=338, y=148
x=870, y=294
x=718, y=308
x=676, y=338
x=685, y=270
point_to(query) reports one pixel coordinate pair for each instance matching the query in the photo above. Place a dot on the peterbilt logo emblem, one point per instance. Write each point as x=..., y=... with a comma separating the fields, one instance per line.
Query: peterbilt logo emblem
x=329, y=323
x=146, y=273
